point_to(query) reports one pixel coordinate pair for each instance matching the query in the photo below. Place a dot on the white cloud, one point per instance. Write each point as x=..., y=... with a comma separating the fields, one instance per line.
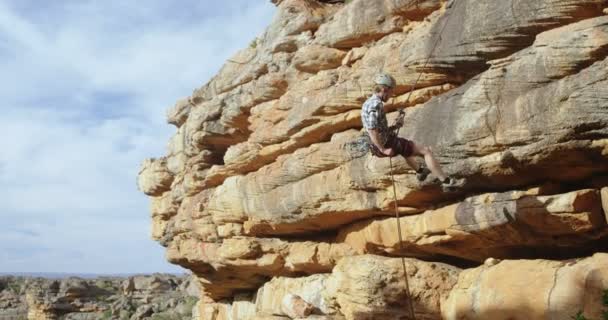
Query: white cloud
x=85, y=86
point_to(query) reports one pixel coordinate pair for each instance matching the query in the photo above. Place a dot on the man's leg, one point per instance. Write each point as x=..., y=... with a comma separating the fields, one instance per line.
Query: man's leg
x=411, y=161
x=429, y=159
x=408, y=149
x=404, y=148
x=448, y=184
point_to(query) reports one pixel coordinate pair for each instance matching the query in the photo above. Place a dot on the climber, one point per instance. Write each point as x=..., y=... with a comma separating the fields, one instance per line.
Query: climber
x=386, y=143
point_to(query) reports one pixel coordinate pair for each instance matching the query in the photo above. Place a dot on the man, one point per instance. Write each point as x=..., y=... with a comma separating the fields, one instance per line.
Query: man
x=385, y=143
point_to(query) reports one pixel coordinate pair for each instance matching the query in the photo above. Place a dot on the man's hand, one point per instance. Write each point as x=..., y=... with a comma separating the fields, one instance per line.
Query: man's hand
x=399, y=121
x=374, y=136
x=388, y=152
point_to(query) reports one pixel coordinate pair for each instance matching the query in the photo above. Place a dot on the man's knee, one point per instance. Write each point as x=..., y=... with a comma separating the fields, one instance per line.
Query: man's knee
x=425, y=150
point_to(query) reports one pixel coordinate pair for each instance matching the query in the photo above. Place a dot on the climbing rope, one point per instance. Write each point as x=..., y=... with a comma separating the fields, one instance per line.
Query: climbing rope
x=401, y=111
x=390, y=159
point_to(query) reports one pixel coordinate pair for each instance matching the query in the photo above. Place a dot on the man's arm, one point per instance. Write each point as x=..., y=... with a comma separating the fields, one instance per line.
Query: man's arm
x=374, y=135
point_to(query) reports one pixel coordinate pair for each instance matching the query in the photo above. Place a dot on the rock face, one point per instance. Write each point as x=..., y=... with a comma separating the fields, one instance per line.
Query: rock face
x=533, y=289
x=133, y=298
x=262, y=195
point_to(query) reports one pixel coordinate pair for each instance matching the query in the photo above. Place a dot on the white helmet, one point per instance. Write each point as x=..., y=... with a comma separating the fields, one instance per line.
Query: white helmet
x=385, y=79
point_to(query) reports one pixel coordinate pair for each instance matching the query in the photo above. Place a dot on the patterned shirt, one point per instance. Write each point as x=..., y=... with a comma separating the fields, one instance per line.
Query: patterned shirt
x=374, y=117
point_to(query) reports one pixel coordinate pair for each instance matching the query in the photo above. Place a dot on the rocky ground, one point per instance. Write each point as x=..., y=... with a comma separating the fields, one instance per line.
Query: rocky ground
x=157, y=297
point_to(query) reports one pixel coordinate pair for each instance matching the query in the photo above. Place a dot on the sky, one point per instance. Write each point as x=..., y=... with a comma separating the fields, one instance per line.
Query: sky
x=84, y=89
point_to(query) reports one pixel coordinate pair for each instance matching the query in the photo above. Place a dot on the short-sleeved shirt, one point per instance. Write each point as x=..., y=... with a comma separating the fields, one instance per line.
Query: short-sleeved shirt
x=374, y=117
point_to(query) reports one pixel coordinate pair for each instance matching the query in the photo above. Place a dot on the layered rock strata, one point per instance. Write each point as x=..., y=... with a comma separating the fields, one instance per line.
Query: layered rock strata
x=262, y=198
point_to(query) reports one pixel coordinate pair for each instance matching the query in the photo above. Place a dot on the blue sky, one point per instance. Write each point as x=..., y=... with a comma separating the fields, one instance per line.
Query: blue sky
x=84, y=88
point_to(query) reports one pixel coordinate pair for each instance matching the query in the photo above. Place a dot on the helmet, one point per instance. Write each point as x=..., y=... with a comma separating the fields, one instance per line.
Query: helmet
x=385, y=79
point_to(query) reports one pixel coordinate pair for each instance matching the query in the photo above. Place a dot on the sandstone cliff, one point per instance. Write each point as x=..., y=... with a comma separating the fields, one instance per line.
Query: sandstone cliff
x=259, y=196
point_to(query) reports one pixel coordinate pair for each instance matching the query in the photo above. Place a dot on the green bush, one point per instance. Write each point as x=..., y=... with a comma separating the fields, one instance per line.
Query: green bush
x=579, y=315
x=190, y=302
x=605, y=298
x=165, y=316
x=106, y=314
x=106, y=285
x=14, y=287
x=605, y=303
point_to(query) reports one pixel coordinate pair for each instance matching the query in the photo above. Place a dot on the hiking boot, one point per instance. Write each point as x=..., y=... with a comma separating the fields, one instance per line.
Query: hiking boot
x=451, y=185
x=422, y=173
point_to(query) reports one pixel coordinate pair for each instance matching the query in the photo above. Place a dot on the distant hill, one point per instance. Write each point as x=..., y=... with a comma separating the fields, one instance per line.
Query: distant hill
x=96, y=296
x=61, y=275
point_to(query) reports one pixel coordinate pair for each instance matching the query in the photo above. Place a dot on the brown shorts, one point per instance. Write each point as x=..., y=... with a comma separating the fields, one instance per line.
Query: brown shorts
x=401, y=146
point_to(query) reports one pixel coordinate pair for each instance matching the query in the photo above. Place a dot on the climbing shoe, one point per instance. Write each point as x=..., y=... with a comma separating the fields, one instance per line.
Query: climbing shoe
x=422, y=173
x=451, y=185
